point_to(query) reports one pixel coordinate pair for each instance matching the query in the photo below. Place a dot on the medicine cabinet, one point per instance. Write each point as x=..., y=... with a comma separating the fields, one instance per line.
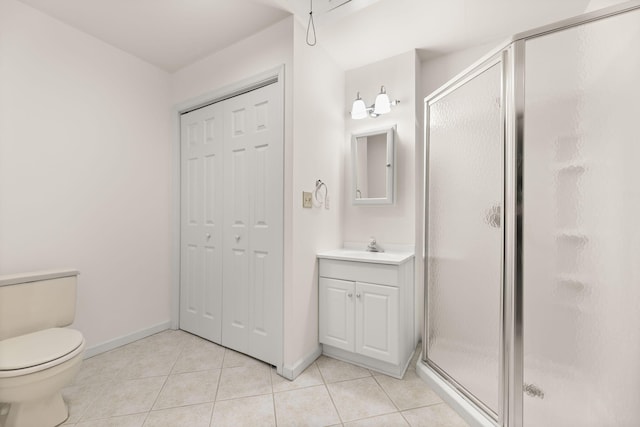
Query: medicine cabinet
x=373, y=167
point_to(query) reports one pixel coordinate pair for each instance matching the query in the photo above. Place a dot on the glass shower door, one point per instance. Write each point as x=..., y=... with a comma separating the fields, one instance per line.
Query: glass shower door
x=464, y=238
x=581, y=238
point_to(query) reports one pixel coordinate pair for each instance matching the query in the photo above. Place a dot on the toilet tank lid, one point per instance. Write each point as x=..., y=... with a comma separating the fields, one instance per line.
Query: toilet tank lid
x=37, y=276
x=37, y=348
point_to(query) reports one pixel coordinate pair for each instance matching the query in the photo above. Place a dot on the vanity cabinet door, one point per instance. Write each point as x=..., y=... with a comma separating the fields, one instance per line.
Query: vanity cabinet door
x=377, y=317
x=337, y=313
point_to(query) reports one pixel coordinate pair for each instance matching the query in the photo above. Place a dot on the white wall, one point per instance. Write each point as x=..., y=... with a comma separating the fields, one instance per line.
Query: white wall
x=389, y=224
x=318, y=129
x=260, y=52
x=419, y=198
x=84, y=170
x=600, y=4
x=439, y=70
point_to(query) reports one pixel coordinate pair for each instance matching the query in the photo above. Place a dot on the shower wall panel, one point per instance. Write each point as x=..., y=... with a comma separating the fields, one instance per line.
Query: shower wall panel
x=581, y=239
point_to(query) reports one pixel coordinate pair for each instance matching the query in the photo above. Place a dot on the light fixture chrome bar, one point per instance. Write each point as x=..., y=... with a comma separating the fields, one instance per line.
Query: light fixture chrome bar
x=359, y=110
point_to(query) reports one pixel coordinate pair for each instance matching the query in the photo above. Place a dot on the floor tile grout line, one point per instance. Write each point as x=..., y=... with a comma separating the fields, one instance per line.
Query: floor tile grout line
x=155, y=401
x=100, y=387
x=105, y=386
x=326, y=386
x=273, y=399
x=145, y=418
x=110, y=417
x=215, y=398
x=385, y=393
x=349, y=379
x=405, y=418
x=160, y=391
x=304, y=387
x=275, y=412
x=374, y=416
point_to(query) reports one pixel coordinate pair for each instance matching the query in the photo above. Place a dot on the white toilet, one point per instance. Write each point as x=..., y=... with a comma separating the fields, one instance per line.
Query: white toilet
x=38, y=356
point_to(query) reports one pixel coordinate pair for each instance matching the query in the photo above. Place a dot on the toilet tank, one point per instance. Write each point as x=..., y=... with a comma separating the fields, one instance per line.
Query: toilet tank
x=34, y=301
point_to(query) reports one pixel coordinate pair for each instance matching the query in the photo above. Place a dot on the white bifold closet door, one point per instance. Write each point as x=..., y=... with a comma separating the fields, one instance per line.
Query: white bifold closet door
x=242, y=209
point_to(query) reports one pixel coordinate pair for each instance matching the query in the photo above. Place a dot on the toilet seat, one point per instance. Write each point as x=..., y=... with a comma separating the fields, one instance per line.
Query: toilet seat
x=39, y=350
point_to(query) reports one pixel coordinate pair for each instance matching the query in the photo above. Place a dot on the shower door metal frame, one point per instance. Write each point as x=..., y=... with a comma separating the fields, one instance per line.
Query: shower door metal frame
x=512, y=350
x=512, y=56
x=496, y=58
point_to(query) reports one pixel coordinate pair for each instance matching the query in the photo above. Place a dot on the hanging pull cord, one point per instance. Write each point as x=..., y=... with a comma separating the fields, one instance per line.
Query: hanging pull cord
x=311, y=27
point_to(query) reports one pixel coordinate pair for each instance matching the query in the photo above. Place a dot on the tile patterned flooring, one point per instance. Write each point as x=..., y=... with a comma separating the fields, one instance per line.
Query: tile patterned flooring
x=176, y=379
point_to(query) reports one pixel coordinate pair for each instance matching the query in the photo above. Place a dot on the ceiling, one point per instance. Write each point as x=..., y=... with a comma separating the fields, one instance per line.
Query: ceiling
x=175, y=33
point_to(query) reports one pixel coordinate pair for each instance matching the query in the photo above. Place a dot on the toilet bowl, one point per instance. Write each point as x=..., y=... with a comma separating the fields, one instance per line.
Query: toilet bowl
x=37, y=356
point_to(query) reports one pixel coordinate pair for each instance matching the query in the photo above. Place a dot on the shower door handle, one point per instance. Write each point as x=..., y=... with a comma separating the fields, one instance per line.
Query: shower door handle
x=493, y=217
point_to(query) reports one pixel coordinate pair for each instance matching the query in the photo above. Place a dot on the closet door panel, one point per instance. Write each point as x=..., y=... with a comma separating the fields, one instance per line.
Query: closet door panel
x=254, y=222
x=201, y=222
x=267, y=224
x=237, y=194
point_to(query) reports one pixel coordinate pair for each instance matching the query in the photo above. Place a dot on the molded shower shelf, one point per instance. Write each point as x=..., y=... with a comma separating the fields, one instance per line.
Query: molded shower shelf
x=570, y=282
x=573, y=235
x=577, y=167
x=573, y=293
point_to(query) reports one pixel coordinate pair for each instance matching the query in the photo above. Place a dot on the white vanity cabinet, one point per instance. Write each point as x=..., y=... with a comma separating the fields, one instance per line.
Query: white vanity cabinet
x=367, y=308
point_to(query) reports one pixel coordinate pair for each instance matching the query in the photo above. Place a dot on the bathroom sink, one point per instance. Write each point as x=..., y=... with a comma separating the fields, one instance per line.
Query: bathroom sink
x=347, y=254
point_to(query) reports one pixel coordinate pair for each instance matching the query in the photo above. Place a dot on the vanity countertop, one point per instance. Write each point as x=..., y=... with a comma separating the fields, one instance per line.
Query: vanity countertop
x=346, y=254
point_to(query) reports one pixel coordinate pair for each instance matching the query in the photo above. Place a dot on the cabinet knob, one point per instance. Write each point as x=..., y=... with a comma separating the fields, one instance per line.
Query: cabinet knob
x=208, y=236
x=349, y=294
x=357, y=295
x=237, y=237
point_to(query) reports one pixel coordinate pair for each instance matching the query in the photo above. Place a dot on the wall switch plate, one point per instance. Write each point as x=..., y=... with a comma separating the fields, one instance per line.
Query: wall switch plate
x=306, y=200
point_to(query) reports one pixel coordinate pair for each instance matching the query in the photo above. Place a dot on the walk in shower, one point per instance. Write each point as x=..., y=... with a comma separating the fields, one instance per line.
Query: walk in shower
x=532, y=221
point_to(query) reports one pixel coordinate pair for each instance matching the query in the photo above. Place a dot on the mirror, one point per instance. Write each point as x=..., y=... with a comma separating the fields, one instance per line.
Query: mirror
x=372, y=155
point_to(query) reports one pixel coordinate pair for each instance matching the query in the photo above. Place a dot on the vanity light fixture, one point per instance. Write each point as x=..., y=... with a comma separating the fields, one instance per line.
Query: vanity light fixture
x=359, y=110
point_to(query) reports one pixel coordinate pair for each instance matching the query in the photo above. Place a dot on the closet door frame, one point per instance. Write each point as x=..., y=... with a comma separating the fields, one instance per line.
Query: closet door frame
x=273, y=76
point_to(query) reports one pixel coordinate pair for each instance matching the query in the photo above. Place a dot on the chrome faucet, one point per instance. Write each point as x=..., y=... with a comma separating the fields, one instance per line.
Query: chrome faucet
x=373, y=245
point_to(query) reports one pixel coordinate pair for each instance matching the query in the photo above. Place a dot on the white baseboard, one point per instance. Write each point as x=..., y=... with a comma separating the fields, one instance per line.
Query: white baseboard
x=291, y=372
x=127, y=339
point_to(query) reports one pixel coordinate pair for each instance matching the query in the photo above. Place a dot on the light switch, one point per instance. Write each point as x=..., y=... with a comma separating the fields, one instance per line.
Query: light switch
x=306, y=200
